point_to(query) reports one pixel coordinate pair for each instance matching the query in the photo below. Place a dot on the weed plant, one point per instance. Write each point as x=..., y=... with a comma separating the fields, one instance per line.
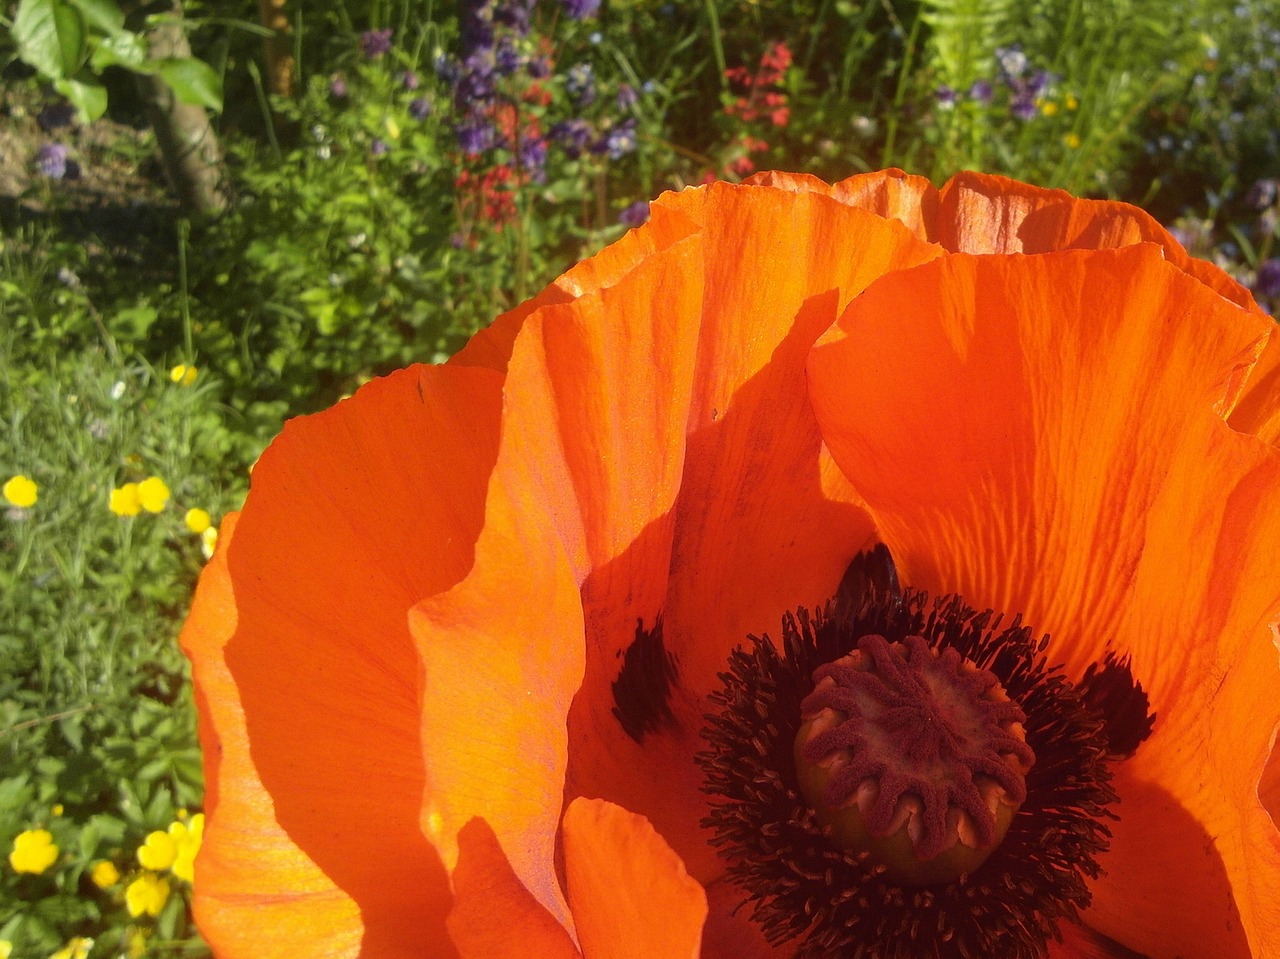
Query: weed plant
x=436, y=164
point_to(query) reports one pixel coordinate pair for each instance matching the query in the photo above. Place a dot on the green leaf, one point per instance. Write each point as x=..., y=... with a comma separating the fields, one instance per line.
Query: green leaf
x=122, y=49
x=51, y=36
x=193, y=81
x=102, y=15
x=87, y=96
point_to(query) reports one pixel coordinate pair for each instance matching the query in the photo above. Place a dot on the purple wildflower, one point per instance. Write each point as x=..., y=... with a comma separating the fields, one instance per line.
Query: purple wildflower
x=51, y=160
x=635, y=215
x=446, y=68
x=580, y=9
x=627, y=97
x=409, y=80
x=1262, y=194
x=580, y=81
x=475, y=85
x=1023, y=107
x=506, y=58
x=338, y=86
x=533, y=157
x=1267, y=282
x=419, y=108
x=475, y=135
x=620, y=140
x=573, y=135
x=378, y=147
x=539, y=68
x=374, y=43
x=945, y=97
x=981, y=91
x=476, y=21
x=513, y=14
x=1037, y=82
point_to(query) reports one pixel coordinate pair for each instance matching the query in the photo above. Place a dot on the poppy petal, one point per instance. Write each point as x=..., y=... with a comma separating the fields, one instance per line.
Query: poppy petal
x=1258, y=409
x=983, y=213
x=327, y=560
x=631, y=895
x=494, y=916
x=892, y=194
x=1040, y=435
x=502, y=657
x=247, y=865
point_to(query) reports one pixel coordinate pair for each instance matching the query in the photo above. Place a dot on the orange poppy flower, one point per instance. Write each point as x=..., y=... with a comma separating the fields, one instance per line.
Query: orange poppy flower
x=455, y=659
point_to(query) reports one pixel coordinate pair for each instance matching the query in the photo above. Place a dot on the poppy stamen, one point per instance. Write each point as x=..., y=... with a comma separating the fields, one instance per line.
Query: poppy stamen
x=914, y=754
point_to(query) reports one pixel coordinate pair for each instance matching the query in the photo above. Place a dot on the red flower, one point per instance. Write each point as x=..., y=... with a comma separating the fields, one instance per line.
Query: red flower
x=472, y=616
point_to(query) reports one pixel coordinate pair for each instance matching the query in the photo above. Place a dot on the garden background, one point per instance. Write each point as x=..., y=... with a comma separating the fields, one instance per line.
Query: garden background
x=216, y=215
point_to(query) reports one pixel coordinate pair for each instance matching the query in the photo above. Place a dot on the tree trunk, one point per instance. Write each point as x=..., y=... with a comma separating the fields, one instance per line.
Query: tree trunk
x=189, y=147
x=279, y=46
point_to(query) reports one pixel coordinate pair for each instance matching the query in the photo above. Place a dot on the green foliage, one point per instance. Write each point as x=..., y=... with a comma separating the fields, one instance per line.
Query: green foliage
x=71, y=42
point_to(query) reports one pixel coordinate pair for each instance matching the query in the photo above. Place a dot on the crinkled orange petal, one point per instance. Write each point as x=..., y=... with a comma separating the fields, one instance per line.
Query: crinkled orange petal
x=494, y=916
x=632, y=897
x=1258, y=409
x=503, y=656
x=893, y=194
x=353, y=516
x=1039, y=434
x=248, y=868
x=982, y=213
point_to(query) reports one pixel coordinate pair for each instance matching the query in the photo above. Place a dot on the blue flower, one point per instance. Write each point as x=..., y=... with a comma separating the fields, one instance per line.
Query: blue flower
x=378, y=147
x=945, y=97
x=419, y=108
x=1023, y=106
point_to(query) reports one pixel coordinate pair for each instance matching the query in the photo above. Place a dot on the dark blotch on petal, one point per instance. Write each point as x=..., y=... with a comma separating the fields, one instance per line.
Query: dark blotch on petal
x=642, y=691
x=1122, y=703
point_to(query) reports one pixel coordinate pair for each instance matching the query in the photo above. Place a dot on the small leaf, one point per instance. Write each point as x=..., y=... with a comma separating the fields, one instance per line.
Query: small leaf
x=193, y=81
x=102, y=15
x=88, y=97
x=122, y=49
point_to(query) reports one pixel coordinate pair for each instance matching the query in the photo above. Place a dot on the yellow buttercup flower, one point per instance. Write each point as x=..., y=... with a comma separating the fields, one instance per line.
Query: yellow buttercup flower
x=21, y=492
x=1049, y=108
x=153, y=494
x=6, y=948
x=208, y=540
x=187, y=837
x=104, y=874
x=124, y=500
x=197, y=520
x=57, y=809
x=33, y=851
x=1072, y=102
x=1071, y=140
x=146, y=894
x=183, y=375
x=77, y=948
x=158, y=851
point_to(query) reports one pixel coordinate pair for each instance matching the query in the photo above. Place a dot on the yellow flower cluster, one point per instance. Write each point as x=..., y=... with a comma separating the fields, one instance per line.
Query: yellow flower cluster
x=183, y=374
x=20, y=491
x=33, y=852
x=77, y=948
x=130, y=499
x=173, y=850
